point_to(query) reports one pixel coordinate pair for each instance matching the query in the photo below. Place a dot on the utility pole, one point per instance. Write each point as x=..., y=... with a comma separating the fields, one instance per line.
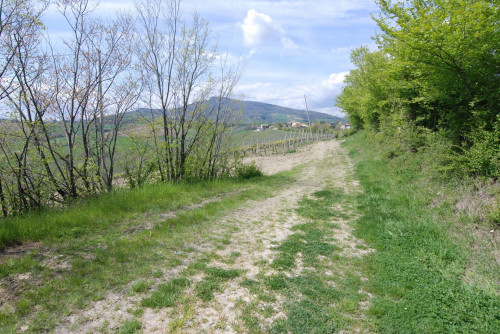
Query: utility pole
x=308, y=118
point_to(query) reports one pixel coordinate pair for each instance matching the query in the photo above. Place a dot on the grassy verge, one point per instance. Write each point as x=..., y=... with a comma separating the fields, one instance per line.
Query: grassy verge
x=89, y=216
x=418, y=273
x=121, y=241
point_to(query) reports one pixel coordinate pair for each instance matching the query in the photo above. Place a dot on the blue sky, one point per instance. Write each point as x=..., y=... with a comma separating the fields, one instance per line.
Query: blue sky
x=296, y=47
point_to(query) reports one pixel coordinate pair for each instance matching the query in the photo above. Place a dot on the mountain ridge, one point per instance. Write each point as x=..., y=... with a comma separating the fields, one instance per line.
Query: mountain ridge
x=254, y=112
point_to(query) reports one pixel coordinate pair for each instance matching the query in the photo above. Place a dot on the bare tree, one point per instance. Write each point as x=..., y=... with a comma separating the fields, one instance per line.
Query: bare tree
x=193, y=86
x=67, y=108
x=19, y=22
x=224, y=115
x=18, y=19
x=159, y=22
x=68, y=100
x=117, y=92
x=96, y=59
x=177, y=60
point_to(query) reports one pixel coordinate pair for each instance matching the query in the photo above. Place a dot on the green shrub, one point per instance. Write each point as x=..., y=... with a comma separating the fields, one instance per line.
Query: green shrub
x=483, y=156
x=247, y=171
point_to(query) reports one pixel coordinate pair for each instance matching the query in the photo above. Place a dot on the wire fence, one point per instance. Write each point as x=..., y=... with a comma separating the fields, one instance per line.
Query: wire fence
x=289, y=143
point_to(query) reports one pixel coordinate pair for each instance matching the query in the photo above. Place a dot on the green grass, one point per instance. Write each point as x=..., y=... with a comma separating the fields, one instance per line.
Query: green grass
x=130, y=327
x=417, y=271
x=320, y=206
x=140, y=286
x=106, y=249
x=213, y=281
x=311, y=302
x=167, y=294
x=98, y=214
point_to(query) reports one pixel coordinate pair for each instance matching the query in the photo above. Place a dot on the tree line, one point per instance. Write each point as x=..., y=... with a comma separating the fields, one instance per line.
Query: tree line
x=64, y=100
x=434, y=77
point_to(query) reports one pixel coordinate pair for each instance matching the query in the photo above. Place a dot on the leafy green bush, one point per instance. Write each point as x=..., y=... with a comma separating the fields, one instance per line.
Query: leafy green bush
x=247, y=171
x=483, y=156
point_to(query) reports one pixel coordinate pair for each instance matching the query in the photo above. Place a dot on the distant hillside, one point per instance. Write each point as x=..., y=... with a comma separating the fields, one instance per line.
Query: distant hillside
x=259, y=113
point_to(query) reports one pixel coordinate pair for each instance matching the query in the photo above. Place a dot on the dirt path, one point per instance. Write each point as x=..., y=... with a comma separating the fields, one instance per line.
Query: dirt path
x=253, y=231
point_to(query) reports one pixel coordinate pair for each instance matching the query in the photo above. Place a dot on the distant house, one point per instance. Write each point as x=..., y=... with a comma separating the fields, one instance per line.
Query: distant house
x=297, y=125
x=263, y=127
x=345, y=126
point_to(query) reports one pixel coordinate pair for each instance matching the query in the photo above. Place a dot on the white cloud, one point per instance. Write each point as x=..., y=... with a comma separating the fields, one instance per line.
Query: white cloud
x=335, y=80
x=258, y=27
x=320, y=95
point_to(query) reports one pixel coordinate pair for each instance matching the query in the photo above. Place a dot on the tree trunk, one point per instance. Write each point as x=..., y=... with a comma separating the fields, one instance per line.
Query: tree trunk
x=3, y=202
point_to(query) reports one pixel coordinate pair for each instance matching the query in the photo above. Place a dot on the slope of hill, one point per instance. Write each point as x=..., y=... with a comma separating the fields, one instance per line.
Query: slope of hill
x=258, y=112
x=253, y=112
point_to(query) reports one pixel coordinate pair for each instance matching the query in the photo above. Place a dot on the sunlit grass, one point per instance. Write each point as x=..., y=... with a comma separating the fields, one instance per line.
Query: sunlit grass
x=418, y=266
x=108, y=246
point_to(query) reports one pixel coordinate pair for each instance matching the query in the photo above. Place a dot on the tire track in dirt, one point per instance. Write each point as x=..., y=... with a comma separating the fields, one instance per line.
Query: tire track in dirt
x=255, y=229
x=265, y=224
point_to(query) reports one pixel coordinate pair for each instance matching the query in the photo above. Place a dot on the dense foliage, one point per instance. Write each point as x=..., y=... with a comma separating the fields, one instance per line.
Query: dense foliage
x=434, y=77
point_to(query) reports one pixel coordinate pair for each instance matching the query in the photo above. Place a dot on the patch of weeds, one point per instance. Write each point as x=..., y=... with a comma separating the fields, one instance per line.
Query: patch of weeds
x=222, y=274
x=138, y=312
x=252, y=323
x=25, y=264
x=232, y=258
x=279, y=326
x=205, y=289
x=276, y=282
x=310, y=245
x=24, y=306
x=199, y=265
x=130, y=327
x=320, y=207
x=315, y=288
x=140, y=286
x=174, y=262
x=247, y=171
x=157, y=273
x=104, y=327
x=308, y=317
x=349, y=305
x=184, y=315
x=333, y=226
x=283, y=261
x=261, y=262
x=167, y=294
x=267, y=311
x=266, y=297
x=212, y=283
x=251, y=285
